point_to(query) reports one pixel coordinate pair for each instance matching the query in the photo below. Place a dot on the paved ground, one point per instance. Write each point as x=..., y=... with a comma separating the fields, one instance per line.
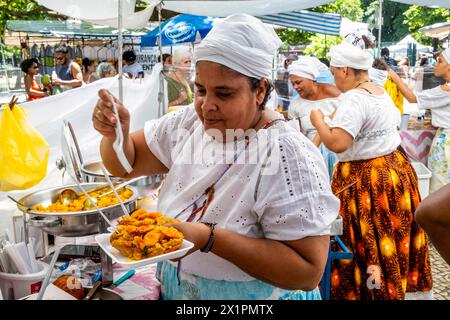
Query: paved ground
x=441, y=276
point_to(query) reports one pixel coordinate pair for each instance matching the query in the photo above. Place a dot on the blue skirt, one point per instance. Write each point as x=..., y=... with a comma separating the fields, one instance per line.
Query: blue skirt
x=191, y=287
x=330, y=159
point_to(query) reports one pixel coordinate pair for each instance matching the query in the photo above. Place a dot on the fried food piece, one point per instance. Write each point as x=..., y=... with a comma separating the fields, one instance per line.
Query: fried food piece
x=143, y=235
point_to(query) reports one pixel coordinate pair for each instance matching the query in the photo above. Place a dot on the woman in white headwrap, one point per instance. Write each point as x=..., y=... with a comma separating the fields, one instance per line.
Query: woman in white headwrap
x=438, y=101
x=303, y=74
x=377, y=186
x=260, y=213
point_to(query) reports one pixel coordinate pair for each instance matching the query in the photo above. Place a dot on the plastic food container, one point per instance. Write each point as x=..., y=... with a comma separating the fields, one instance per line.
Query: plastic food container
x=424, y=175
x=15, y=286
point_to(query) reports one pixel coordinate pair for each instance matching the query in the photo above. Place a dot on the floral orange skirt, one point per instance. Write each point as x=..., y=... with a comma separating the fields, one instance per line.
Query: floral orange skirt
x=390, y=251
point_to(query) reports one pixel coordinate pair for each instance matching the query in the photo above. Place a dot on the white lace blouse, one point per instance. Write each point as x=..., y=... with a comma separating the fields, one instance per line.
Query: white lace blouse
x=281, y=191
x=301, y=109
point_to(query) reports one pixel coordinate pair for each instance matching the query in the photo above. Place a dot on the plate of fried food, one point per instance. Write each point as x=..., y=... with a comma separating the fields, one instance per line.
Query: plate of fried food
x=144, y=238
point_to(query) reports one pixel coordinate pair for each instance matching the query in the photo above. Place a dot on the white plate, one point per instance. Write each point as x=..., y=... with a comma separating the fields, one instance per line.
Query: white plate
x=105, y=244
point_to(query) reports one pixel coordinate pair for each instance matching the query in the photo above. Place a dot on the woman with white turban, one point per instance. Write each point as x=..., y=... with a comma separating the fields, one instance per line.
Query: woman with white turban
x=252, y=194
x=303, y=74
x=377, y=186
x=438, y=101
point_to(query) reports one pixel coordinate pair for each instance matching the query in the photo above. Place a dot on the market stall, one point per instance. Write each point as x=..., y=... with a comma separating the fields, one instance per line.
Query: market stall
x=84, y=40
x=75, y=106
x=417, y=139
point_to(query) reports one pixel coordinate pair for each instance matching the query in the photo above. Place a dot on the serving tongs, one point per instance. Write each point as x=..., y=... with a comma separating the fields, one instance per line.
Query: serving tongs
x=118, y=143
x=105, y=173
x=94, y=203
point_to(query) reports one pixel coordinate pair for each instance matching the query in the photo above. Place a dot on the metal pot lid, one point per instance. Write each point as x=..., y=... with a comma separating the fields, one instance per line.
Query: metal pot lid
x=93, y=168
x=71, y=151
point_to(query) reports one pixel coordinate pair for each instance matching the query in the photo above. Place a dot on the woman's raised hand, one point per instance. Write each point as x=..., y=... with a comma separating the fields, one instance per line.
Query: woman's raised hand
x=316, y=117
x=104, y=118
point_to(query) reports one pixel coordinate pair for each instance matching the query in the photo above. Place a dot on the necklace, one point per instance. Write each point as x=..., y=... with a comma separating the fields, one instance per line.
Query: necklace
x=359, y=84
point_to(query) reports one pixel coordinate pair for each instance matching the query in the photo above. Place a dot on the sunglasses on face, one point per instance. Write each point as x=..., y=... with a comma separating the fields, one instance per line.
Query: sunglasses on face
x=59, y=58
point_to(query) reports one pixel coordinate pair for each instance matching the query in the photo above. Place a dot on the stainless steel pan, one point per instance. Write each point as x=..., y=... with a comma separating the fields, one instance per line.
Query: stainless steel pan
x=70, y=224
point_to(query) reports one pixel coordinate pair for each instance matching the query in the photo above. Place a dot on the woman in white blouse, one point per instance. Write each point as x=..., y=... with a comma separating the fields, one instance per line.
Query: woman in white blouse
x=267, y=194
x=438, y=101
x=303, y=74
x=377, y=187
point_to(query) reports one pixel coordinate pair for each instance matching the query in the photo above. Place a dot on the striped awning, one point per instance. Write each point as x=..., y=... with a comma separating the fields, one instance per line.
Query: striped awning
x=323, y=23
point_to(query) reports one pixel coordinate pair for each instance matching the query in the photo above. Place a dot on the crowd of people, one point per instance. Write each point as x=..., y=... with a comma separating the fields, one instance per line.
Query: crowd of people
x=69, y=74
x=260, y=235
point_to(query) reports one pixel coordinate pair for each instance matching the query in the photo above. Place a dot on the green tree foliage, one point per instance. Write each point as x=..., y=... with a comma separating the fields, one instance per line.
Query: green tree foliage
x=350, y=9
x=321, y=44
x=292, y=36
x=417, y=17
x=8, y=52
x=21, y=10
x=394, y=28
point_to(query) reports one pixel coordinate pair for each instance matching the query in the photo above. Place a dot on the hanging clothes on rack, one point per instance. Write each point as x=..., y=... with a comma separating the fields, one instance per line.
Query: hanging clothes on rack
x=34, y=51
x=49, y=60
x=88, y=52
x=78, y=55
x=71, y=52
x=110, y=54
x=42, y=59
x=102, y=54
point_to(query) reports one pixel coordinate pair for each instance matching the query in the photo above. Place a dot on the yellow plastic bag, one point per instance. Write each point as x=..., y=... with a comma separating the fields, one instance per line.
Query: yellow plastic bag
x=23, y=151
x=392, y=90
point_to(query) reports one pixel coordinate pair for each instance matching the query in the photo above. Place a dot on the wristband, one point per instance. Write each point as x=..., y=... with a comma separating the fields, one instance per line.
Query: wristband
x=209, y=244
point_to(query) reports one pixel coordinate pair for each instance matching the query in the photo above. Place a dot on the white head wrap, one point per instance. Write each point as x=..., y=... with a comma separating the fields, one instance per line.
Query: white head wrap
x=379, y=77
x=356, y=38
x=446, y=55
x=242, y=43
x=347, y=55
x=307, y=67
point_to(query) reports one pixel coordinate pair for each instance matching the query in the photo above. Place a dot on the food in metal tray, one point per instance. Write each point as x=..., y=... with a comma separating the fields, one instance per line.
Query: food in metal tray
x=70, y=203
x=143, y=235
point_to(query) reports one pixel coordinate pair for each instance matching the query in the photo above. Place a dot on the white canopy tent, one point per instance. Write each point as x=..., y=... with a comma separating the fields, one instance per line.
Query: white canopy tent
x=223, y=8
x=400, y=48
x=438, y=30
x=106, y=12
